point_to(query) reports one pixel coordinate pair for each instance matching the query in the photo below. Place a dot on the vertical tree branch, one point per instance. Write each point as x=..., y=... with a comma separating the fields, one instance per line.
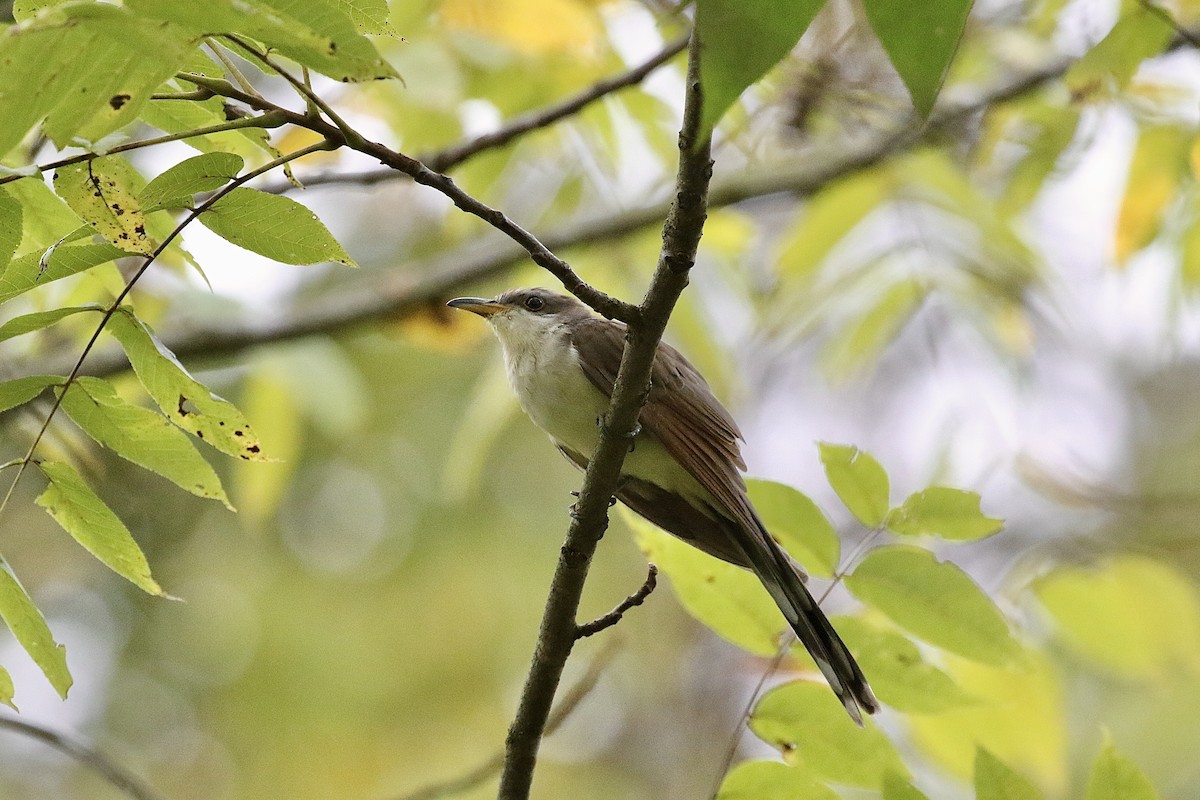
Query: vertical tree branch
x=681, y=237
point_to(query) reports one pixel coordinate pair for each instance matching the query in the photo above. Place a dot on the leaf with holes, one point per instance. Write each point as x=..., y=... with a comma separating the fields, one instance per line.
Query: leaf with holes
x=935, y=601
x=943, y=511
x=29, y=628
x=103, y=192
x=21, y=390
x=81, y=513
x=141, y=436
x=368, y=16
x=28, y=323
x=185, y=401
x=859, y=480
x=203, y=173
x=273, y=226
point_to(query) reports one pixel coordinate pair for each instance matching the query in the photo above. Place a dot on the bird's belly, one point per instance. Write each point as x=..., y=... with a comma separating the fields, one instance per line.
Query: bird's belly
x=559, y=398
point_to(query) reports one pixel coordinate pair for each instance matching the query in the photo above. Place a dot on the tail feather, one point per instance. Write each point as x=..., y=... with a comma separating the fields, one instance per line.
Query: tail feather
x=811, y=625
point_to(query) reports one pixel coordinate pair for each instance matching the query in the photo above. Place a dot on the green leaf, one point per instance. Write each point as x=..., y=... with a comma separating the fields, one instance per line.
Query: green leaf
x=771, y=780
x=204, y=173
x=273, y=226
x=368, y=16
x=87, y=68
x=798, y=524
x=810, y=727
x=1115, y=777
x=314, y=33
x=740, y=40
x=21, y=390
x=864, y=339
x=75, y=507
x=920, y=39
x=934, y=600
x=859, y=480
x=942, y=511
x=7, y=690
x=45, y=217
x=1139, y=35
x=101, y=191
x=28, y=323
x=897, y=787
x=727, y=599
x=29, y=271
x=184, y=400
x=10, y=226
x=899, y=674
x=29, y=627
x=995, y=780
x=1113, y=614
x=141, y=436
x=828, y=217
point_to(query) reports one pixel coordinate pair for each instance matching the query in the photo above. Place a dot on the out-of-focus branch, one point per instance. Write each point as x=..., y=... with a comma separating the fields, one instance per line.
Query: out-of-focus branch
x=455, y=154
x=557, y=634
x=118, y=776
x=565, y=706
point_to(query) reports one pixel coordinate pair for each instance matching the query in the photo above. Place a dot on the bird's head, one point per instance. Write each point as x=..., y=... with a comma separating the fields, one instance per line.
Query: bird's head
x=525, y=317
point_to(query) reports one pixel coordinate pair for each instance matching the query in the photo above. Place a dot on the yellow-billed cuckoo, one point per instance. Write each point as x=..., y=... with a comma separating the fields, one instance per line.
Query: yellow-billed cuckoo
x=683, y=472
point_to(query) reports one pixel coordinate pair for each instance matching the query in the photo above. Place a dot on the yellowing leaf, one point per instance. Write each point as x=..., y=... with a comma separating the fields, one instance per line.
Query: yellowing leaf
x=185, y=401
x=534, y=27
x=1115, y=777
x=1018, y=717
x=808, y=724
x=1114, y=614
x=934, y=600
x=798, y=524
x=771, y=780
x=727, y=599
x=942, y=511
x=6, y=689
x=141, y=436
x=75, y=507
x=29, y=627
x=103, y=192
x=1160, y=161
x=859, y=480
x=259, y=488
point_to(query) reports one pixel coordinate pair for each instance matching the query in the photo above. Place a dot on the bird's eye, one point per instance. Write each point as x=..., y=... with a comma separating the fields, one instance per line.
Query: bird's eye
x=534, y=303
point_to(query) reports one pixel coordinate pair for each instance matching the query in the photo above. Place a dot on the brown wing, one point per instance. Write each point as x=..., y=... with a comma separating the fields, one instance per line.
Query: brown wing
x=681, y=411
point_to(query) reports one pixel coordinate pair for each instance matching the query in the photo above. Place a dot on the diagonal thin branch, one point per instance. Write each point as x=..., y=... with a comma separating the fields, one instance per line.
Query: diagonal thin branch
x=556, y=635
x=613, y=617
x=120, y=778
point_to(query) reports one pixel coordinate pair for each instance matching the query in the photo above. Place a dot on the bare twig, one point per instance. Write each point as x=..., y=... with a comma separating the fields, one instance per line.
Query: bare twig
x=120, y=778
x=270, y=119
x=556, y=635
x=563, y=709
x=614, y=616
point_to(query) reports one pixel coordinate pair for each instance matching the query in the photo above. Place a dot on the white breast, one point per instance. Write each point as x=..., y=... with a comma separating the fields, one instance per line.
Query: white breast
x=543, y=369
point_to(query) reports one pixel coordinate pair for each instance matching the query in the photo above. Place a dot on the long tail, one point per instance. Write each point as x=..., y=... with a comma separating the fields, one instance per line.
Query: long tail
x=811, y=625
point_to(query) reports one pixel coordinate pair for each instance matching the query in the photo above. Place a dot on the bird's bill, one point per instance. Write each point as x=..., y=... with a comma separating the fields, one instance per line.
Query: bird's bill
x=478, y=305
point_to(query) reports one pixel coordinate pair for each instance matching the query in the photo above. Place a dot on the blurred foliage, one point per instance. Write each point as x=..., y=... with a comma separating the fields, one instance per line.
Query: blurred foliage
x=1005, y=302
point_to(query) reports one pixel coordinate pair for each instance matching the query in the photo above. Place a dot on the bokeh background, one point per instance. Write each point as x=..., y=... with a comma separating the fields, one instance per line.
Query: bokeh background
x=1006, y=303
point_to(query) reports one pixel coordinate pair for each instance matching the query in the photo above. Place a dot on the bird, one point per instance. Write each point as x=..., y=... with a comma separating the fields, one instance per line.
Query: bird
x=684, y=469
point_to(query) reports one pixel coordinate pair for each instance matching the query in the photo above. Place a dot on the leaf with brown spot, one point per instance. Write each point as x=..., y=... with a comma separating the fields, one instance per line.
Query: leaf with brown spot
x=103, y=192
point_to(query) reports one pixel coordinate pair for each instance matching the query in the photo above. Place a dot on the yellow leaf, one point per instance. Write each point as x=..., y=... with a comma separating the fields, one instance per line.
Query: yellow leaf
x=1018, y=718
x=533, y=27
x=1159, y=161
